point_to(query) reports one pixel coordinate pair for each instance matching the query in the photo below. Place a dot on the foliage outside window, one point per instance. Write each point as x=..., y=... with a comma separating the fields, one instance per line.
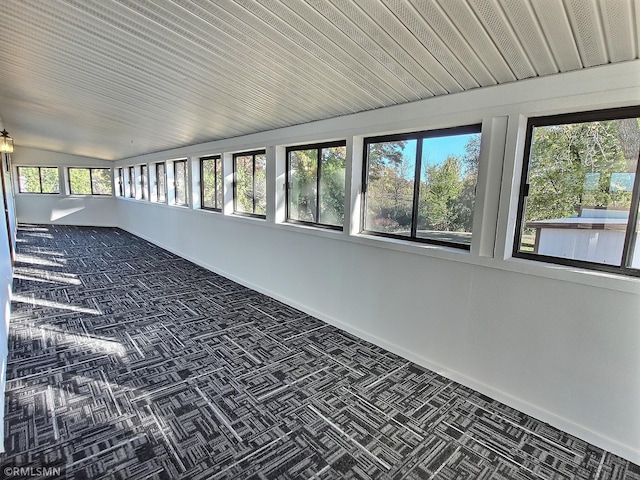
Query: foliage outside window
x=120, y=181
x=421, y=186
x=250, y=192
x=132, y=182
x=180, y=178
x=161, y=183
x=38, y=180
x=211, y=182
x=579, y=195
x=144, y=182
x=315, y=181
x=90, y=181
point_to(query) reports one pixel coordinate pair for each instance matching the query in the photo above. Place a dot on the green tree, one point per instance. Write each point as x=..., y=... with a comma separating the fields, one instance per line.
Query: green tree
x=571, y=165
x=332, y=185
x=251, y=193
x=309, y=203
x=440, y=195
x=80, y=181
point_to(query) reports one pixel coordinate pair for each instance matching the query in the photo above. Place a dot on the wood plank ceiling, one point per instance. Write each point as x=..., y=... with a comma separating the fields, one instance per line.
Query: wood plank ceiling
x=116, y=78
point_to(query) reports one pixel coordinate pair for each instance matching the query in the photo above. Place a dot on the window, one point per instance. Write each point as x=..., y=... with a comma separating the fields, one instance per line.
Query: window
x=421, y=186
x=181, y=180
x=250, y=192
x=579, y=195
x=38, y=180
x=143, y=182
x=120, y=181
x=90, y=181
x=211, y=182
x=132, y=182
x=315, y=184
x=161, y=183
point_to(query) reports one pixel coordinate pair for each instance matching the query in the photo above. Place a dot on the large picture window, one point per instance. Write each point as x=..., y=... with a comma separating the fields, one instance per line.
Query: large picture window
x=315, y=184
x=38, y=180
x=90, y=181
x=250, y=192
x=579, y=195
x=211, y=182
x=421, y=186
x=161, y=183
x=181, y=180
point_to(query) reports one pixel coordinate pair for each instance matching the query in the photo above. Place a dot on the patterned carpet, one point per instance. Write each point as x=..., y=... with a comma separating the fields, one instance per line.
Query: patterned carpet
x=127, y=361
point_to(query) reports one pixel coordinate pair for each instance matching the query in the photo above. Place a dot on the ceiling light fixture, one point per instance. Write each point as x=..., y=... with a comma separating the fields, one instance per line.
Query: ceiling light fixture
x=6, y=142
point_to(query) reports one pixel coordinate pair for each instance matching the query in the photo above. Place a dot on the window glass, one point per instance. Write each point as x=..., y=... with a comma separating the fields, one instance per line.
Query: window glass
x=211, y=182
x=29, y=180
x=304, y=185
x=80, y=181
x=578, y=191
x=422, y=185
x=132, y=182
x=219, y=184
x=100, y=181
x=332, y=182
x=144, y=182
x=90, y=181
x=250, y=192
x=120, y=181
x=260, y=184
x=50, y=180
x=390, y=185
x=448, y=177
x=244, y=183
x=180, y=178
x=38, y=180
x=316, y=179
x=161, y=183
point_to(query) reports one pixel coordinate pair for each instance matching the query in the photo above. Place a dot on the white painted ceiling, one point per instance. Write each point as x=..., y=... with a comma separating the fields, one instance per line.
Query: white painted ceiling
x=117, y=78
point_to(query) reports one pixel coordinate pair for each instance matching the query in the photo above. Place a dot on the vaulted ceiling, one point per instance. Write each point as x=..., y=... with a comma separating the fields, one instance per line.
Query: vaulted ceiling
x=117, y=78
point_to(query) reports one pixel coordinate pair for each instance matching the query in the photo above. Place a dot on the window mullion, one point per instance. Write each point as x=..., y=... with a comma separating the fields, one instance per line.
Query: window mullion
x=287, y=190
x=40, y=177
x=253, y=182
x=416, y=189
x=629, y=238
x=318, y=183
x=215, y=183
x=202, y=182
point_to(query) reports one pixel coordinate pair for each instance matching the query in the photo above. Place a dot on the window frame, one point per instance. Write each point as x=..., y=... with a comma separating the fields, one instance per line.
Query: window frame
x=132, y=181
x=186, y=183
x=144, y=176
x=419, y=136
x=630, y=236
x=215, y=159
x=164, y=177
x=39, y=178
x=318, y=147
x=253, y=154
x=120, y=177
x=91, y=169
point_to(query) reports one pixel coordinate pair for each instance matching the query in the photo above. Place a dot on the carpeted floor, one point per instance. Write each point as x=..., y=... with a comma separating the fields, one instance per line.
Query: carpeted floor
x=126, y=361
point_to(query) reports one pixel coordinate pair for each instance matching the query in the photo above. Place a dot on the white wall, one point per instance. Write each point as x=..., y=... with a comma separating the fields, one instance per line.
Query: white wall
x=62, y=208
x=556, y=342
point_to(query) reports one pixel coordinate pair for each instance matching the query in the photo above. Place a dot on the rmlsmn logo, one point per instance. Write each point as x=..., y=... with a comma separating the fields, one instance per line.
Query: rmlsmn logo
x=31, y=471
